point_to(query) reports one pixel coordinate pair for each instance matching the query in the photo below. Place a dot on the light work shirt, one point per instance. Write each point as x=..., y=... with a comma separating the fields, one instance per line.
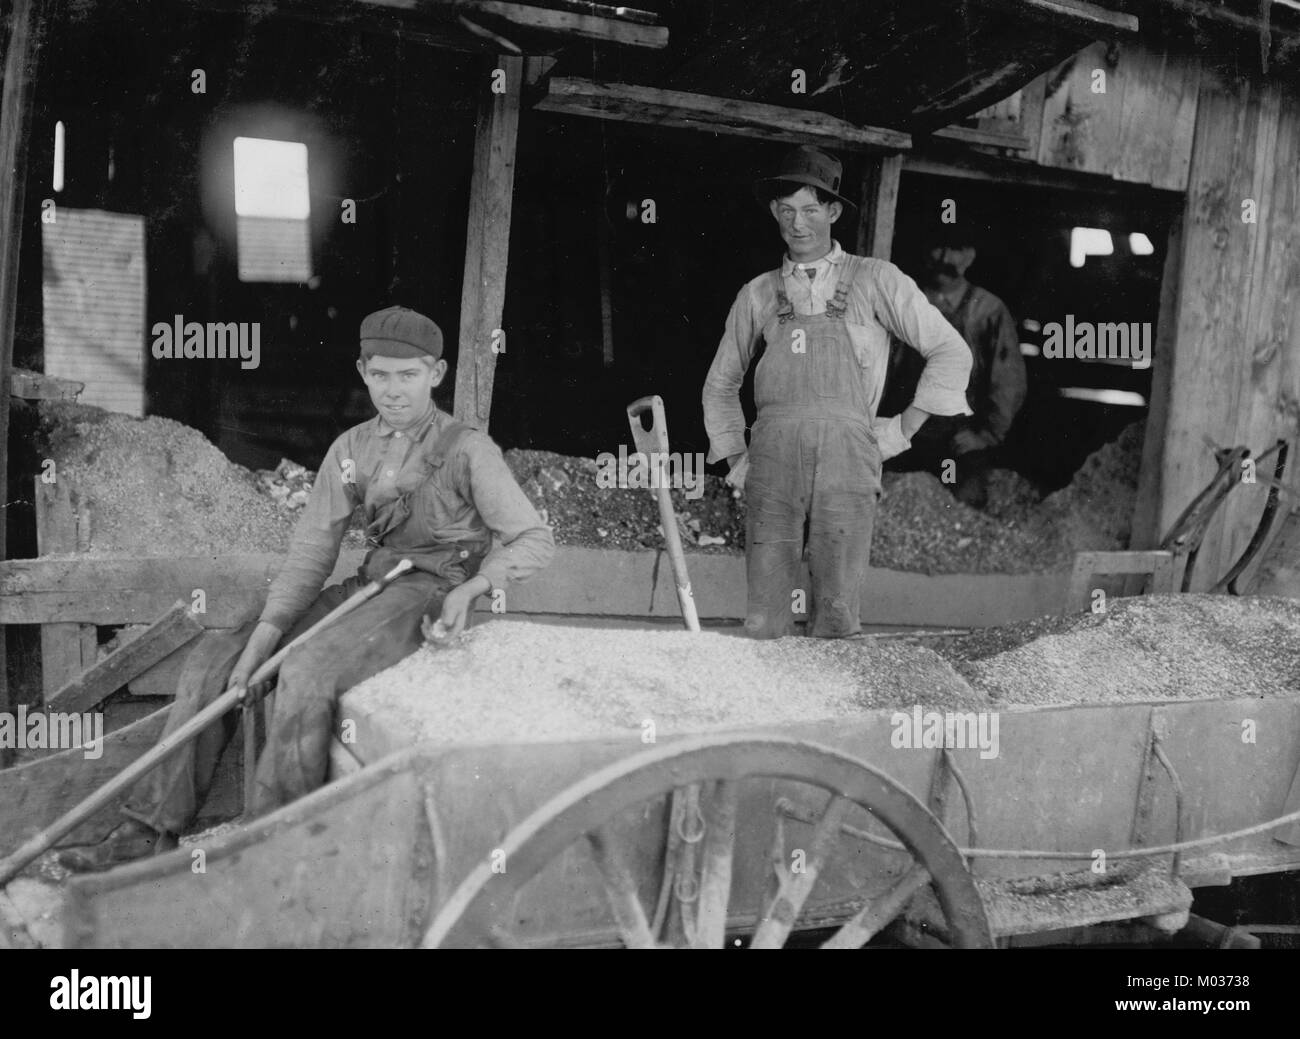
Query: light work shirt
x=373, y=464
x=882, y=300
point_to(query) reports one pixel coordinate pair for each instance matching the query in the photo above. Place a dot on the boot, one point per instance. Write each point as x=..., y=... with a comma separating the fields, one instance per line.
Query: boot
x=130, y=841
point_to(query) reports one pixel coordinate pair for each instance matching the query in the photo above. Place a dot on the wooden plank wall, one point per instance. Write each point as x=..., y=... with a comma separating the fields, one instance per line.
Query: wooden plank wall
x=1236, y=358
x=1139, y=130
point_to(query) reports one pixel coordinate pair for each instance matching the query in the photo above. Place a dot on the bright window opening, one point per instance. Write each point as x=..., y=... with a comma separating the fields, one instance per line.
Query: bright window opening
x=1140, y=245
x=272, y=208
x=1089, y=241
x=59, y=133
x=1124, y=398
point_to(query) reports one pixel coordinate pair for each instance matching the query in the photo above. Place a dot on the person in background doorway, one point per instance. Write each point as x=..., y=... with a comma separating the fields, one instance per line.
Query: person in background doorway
x=997, y=383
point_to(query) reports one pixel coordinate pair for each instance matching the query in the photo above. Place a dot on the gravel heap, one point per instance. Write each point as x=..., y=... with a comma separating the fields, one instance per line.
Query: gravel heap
x=564, y=490
x=920, y=526
x=1160, y=647
x=517, y=682
x=158, y=487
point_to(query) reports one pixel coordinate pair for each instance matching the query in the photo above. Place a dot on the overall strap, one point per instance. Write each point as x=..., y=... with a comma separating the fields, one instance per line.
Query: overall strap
x=448, y=440
x=784, y=308
x=836, y=307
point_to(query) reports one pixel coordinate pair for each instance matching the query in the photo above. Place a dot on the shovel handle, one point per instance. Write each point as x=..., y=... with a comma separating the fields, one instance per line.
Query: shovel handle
x=654, y=439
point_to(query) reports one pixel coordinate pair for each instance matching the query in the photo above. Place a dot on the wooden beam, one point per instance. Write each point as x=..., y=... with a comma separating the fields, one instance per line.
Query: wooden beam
x=605, y=267
x=410, y=19
x=169, y=632
x=38, y=386
x=1146, y=507
x=989, y=138
x=572, y=23
x=67, y=649
x=637, y=104
x=1073, y=15
x=878, y=205
x=21, y=56
x=487, y=240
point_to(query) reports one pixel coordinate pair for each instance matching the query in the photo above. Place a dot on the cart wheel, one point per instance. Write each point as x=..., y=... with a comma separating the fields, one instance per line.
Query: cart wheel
x=480, y=911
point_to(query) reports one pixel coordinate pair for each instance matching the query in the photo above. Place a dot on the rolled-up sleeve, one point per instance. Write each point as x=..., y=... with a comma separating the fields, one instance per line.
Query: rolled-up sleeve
x=903, y=309
x=314, y=547
x=724, y=418
x=522, y=543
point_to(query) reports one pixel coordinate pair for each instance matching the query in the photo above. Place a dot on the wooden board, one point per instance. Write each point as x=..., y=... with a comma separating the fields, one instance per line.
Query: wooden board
x=1140, y=130
x=38, y=386
x=356, y=862
x=66, y=649
x=1146, y=508
x=487, y=241
x=1268, y=396
x=1236, y=359
x=33, y=795
x=344, y=866
x=684, y=110
x=21, y=53
x=879, y=203
x=580, y=581
x=169, y=632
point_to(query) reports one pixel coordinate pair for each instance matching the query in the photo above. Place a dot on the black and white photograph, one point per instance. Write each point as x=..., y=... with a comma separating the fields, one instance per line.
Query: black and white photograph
x=706, y=474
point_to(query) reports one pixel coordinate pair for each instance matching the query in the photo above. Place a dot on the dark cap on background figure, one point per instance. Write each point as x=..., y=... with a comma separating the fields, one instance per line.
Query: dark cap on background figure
x=804, y=165
x=400, y=332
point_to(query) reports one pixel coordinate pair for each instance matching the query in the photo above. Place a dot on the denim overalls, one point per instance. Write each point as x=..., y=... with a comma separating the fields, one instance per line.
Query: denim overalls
x=814, y=464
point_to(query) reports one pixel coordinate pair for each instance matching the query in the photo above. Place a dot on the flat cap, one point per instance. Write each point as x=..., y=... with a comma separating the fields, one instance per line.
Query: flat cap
x=400, y=332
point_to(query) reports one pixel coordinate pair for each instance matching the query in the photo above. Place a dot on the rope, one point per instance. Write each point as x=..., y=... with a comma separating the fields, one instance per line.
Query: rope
x=1003, y=853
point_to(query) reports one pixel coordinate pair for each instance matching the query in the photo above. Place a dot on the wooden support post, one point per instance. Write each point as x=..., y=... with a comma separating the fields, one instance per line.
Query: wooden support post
x=67, y=649
x=606, y=275
x=20, y=62
x=487, y=241
x=879, y=201
x=1146, y=509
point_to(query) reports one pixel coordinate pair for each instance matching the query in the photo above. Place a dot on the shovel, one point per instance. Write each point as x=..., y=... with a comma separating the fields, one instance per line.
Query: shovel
x=653, y=443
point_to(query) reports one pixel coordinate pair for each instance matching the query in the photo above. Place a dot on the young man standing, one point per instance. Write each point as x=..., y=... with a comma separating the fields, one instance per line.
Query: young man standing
x=432, y=490
x=820, y=327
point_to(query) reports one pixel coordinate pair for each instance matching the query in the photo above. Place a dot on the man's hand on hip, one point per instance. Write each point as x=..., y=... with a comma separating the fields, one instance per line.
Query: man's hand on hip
x=739, y=468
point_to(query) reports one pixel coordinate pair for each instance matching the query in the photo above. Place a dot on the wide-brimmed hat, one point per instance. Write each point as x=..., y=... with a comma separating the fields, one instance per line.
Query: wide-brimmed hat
x=806, y=165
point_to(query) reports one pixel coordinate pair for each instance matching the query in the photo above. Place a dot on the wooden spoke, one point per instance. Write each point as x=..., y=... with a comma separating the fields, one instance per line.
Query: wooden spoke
x=781, y=913
x=715, y=882
x=874, y=916
x=620, y=888
x=701, y=875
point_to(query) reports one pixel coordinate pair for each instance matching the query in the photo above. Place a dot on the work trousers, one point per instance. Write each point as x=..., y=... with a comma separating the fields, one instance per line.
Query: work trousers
x=813, y=481
x=374, y=636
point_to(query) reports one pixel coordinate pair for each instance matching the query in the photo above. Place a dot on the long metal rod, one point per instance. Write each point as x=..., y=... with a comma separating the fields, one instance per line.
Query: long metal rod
x=169, y=745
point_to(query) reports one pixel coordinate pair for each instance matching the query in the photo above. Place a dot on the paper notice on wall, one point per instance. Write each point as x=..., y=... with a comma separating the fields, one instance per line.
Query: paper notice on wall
x=94, y=293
